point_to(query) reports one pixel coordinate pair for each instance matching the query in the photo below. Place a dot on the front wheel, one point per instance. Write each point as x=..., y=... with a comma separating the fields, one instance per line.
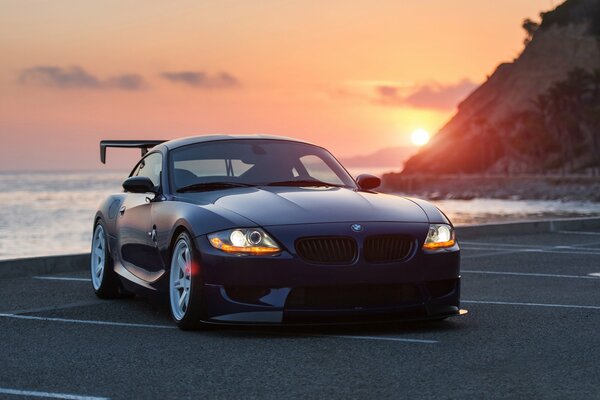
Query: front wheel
x=104, y=279
x=185, y=287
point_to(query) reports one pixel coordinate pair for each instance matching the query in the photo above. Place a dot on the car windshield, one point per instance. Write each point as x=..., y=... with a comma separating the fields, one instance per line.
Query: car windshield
x=252, y=162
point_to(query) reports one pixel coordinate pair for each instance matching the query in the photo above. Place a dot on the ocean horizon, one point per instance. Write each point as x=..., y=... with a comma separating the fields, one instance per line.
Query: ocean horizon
x=51, y=212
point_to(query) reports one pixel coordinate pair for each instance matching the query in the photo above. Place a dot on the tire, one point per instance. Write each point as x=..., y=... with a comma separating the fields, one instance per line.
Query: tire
x=105, y=281
x=185, y=285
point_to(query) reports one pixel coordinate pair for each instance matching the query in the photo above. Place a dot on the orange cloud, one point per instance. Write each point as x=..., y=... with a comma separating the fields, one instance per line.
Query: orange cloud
x=431, y=96
x=200, y=79
x=75, y=77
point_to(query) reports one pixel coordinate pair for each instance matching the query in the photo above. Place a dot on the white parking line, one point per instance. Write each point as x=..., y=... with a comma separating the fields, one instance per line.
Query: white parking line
x=510, y=246
x=505, y=246
x=85, y=321
x=532, y=274
x=59, y=307
x=31, y=393
x=496, y=253
x=580, y=233
x=507, y=303
x=62, y=278
x=132, y=325
x=530, y=248
x=561, y=250
x=389, y=339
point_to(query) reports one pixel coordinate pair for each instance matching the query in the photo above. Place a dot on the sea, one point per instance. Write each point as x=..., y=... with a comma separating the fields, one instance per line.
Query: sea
x=51, y=213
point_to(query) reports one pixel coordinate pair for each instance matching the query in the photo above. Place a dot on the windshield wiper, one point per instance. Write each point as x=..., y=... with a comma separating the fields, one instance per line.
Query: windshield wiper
x=207, y=186
x=304, y=183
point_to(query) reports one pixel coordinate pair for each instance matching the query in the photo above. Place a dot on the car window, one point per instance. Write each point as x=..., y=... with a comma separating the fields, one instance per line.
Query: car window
x=150, y=167
x=254, y=162
x=317, y=169
x=202, y=168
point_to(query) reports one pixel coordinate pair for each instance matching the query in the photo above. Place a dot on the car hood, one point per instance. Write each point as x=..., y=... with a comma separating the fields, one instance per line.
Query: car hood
x=293, y=205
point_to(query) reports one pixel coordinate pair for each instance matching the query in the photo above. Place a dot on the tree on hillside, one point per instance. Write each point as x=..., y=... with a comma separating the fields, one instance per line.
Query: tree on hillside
x=570, y=111
x=530, y=27
x=560, y=132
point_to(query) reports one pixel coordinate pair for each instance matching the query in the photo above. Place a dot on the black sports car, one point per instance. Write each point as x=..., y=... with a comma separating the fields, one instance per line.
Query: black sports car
x=262, y=230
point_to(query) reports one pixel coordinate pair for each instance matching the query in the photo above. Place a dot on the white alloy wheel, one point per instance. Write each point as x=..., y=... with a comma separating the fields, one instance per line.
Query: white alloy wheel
x=180, y=282
x=98, y=258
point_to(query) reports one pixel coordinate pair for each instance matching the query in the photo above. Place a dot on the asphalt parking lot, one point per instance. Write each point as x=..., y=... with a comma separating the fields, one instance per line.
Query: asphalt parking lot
x=533, y=331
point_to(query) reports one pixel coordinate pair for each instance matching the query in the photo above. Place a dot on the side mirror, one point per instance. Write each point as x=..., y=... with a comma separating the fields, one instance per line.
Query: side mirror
x=139, y=184
x=368, y=182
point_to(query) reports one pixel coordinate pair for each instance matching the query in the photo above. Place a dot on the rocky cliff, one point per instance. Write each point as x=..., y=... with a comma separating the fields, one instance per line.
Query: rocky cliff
x=538, y=113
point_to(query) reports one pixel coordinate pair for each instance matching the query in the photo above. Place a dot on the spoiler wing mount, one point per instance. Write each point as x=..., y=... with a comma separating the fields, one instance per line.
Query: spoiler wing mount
x=144, y=145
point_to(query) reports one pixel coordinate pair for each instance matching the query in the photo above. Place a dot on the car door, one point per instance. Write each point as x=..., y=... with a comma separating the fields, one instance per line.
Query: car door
x=137, y=234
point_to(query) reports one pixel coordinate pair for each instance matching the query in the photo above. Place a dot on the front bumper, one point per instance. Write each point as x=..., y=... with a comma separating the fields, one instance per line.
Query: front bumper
x=328, y=305
x=285, y=289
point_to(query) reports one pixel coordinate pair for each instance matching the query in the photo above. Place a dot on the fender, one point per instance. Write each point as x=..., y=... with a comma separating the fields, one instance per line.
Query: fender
x=170, y=217
x=108, y=212
x=434, y=214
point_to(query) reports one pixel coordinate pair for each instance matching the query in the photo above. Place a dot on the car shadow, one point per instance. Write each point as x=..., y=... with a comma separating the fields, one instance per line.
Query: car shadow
x=355, y=329
x=159, y=309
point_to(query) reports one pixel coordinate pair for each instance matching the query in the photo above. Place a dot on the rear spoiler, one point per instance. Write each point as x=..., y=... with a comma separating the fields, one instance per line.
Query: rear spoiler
x=144, y=145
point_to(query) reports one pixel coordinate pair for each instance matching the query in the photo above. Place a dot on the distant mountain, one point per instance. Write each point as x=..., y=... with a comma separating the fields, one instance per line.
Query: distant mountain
x=388, y=157
x=539, y=113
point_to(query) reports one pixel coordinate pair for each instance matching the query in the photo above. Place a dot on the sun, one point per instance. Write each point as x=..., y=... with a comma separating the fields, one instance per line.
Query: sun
x=420, y=137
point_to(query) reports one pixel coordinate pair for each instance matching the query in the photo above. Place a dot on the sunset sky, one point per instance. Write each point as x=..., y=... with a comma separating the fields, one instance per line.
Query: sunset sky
x=353, y=76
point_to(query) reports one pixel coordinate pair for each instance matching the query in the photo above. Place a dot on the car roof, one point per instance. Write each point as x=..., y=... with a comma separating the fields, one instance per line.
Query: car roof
x=175, y=143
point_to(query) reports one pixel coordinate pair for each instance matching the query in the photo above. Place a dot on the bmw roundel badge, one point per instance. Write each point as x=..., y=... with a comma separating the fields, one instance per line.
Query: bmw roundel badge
x=356, y=227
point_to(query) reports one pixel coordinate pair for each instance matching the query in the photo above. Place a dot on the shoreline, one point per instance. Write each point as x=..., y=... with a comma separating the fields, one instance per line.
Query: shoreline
x=468, y=187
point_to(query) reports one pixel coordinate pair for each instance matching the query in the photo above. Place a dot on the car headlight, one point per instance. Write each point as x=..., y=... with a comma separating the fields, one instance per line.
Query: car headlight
x=440, y=236
x=253, y=241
